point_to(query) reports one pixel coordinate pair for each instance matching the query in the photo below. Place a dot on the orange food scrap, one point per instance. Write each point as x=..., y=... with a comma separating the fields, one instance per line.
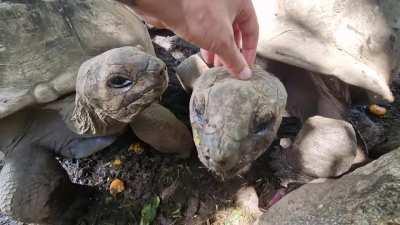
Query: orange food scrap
x=377, y=110
x=117, y=186
x=136, y=148
x=117, y=163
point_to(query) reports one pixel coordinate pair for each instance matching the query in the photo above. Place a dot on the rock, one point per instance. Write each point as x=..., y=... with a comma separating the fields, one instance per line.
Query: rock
x=247, y=199
x=164, y=42
x=369, y=195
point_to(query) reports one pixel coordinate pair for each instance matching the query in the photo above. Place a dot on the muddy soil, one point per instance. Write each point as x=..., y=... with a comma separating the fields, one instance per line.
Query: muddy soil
x=189, y=193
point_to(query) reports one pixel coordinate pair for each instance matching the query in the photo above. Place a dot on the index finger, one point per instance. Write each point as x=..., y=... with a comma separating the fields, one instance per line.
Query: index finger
x=248, y=26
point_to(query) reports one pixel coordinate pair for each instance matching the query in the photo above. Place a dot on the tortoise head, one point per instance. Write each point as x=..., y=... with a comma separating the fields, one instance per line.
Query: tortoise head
x=235, y=121
x=114, y=87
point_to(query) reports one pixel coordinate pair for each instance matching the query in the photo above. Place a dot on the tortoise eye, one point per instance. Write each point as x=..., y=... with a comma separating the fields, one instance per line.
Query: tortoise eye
x=261, y=125
x=119, y=82
x=198, y=107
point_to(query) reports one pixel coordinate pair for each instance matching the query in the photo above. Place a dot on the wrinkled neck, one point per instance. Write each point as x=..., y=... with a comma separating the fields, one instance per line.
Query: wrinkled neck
x=88, y=121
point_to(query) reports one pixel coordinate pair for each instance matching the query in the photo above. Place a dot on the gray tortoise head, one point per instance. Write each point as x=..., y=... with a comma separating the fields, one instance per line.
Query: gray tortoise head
x=235, y=121
x=114, y=87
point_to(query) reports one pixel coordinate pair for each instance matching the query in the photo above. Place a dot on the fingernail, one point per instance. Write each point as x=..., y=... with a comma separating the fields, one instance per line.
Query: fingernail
x=245, y=73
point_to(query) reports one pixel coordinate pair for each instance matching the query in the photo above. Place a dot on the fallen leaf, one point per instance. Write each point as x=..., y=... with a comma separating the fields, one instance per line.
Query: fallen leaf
x=149, y=211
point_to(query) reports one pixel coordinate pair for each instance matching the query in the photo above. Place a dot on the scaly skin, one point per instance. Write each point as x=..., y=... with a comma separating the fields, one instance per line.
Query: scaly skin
x=114, y=87
x=235, y=121
x=33, y=185
x=122, y=86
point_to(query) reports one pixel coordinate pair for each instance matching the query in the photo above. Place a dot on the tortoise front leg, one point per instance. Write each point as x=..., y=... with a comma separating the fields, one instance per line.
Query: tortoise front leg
x=189, y=70
x=34, y=188
x=159, y=127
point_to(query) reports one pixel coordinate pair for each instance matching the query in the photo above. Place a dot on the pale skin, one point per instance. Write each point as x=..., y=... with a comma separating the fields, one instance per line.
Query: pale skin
x=225, y=30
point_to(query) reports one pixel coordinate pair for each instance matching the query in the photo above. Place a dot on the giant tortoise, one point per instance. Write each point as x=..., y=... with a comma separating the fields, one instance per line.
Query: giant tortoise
x=48, y=50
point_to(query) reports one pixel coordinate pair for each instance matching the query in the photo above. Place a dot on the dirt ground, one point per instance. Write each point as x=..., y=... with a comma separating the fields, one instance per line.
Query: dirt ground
x=189, y=193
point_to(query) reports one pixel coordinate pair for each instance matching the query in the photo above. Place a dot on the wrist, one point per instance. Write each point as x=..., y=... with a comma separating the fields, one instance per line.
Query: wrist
x=167, y=12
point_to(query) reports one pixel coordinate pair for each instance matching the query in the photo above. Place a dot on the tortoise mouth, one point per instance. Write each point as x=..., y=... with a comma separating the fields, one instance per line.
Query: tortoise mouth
x=145, y=94
x=227, y=166
x=250, y=149
x=233, y=172
x=137, y=104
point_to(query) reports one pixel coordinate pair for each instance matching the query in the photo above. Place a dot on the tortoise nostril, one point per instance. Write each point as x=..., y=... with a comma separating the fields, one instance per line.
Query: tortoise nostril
x=161, y=68
x=155, y=66
x=163, y=71
x=222, y=162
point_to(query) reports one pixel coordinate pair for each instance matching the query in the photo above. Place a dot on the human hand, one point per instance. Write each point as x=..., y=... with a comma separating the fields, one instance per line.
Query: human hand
x=227, y=30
